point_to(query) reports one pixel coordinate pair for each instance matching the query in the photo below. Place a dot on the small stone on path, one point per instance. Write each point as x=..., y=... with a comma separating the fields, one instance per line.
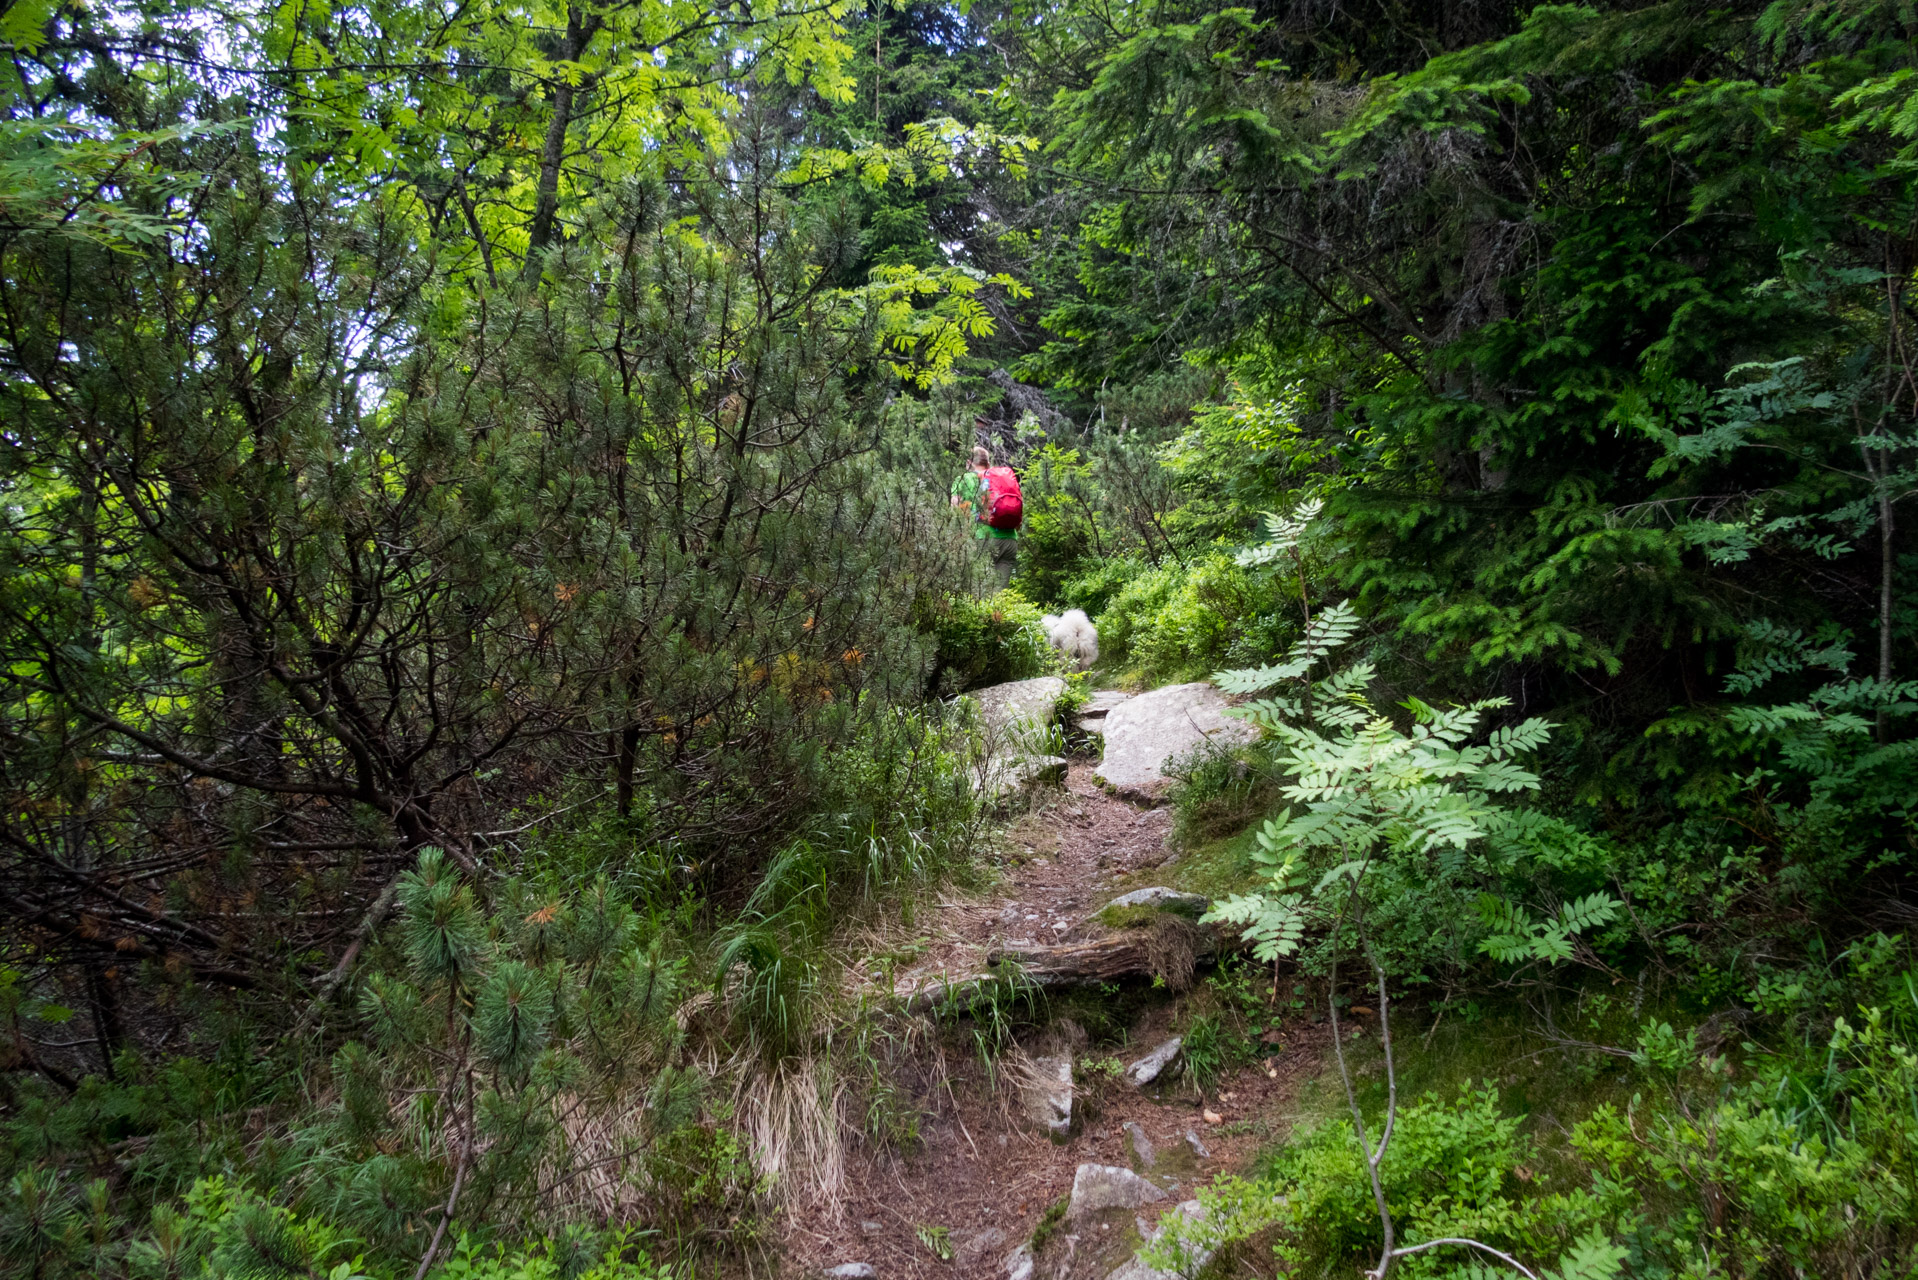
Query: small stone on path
x=852, y=1271
x=1107, y=1186
x=1048, y=1095
x=1140, y=1147
x=977, y=1244
x=1147, y=1069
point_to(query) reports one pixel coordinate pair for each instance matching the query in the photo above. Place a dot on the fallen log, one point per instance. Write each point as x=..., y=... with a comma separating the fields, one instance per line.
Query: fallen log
x=1169, y=948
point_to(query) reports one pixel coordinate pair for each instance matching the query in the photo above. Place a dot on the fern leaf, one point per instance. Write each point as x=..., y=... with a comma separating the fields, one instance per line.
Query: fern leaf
x=1592, y=1257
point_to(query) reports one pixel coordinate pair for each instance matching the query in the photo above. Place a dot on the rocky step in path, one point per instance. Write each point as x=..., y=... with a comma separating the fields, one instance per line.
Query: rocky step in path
x=1052, y=937
x=1092, y=716
x=1120, y=1146
x=1140, y=733
x=1014, y=719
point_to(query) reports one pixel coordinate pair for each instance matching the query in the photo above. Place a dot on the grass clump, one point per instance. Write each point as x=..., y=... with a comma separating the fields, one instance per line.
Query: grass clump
x=1135, y=917
x=1049, y=1223
x=1218, y=793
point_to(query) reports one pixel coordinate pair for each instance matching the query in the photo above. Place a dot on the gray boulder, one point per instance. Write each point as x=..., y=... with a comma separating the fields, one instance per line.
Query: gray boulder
x=1193, y=1254
x=1142, y=733
x=1149, y=1068
x=1014, y=718
x=1005, y=774
x=1018, y=1263
x=1006, y=709
x=1107, y=1186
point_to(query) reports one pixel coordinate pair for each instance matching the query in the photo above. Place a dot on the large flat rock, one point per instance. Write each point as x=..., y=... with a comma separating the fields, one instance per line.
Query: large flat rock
x=1142, y=733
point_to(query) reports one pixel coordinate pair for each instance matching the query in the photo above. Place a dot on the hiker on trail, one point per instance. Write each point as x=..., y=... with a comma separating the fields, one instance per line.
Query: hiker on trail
x=993, y=494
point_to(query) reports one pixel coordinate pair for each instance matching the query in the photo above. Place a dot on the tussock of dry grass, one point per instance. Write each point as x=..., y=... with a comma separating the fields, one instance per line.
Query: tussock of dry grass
x=604, y=1145
x=792, y=1115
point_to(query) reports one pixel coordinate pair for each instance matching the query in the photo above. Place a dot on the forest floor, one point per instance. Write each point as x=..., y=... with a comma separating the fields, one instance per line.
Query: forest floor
x=982, y=1175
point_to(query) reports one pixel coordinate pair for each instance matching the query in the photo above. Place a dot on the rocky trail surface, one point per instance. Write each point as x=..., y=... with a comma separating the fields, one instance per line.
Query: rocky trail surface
x=1115, y=1134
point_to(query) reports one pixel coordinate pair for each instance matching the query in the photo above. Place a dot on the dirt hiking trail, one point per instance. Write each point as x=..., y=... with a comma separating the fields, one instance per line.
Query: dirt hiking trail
x=984, y=1174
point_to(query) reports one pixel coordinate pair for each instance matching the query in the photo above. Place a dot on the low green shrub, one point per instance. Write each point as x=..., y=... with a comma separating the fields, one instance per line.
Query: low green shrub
x=568, y=1257
x=981, y=642
x=1095, y=587
x=704, y=1186
x=225, y=1231
x=1795, y=1162
x=504, y=1007
x=1178, y=622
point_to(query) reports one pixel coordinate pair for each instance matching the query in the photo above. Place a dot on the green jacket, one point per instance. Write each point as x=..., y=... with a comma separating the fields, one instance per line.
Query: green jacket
x=970, y=487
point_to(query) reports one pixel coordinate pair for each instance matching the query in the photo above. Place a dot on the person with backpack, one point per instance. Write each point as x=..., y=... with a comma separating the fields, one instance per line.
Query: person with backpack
x=997, y=508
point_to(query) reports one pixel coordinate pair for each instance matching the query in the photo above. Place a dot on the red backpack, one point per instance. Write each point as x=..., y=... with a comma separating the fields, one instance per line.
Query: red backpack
x=1005, y=509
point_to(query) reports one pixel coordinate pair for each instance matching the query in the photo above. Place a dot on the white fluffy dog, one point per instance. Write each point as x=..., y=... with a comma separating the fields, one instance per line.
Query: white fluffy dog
x=1073, y=634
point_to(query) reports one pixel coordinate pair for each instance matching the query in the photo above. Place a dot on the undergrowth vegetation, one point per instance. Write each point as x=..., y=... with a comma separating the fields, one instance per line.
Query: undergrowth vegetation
x=501, y=1033
x=1682, y=1153
x=481, y=608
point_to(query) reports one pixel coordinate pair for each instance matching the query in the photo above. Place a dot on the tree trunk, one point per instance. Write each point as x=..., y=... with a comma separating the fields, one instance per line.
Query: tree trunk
x=579, y=33
x=1885, y=567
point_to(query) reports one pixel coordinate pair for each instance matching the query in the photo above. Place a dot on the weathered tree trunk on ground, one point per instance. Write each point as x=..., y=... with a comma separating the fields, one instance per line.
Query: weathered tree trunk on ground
x=1167, y=950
